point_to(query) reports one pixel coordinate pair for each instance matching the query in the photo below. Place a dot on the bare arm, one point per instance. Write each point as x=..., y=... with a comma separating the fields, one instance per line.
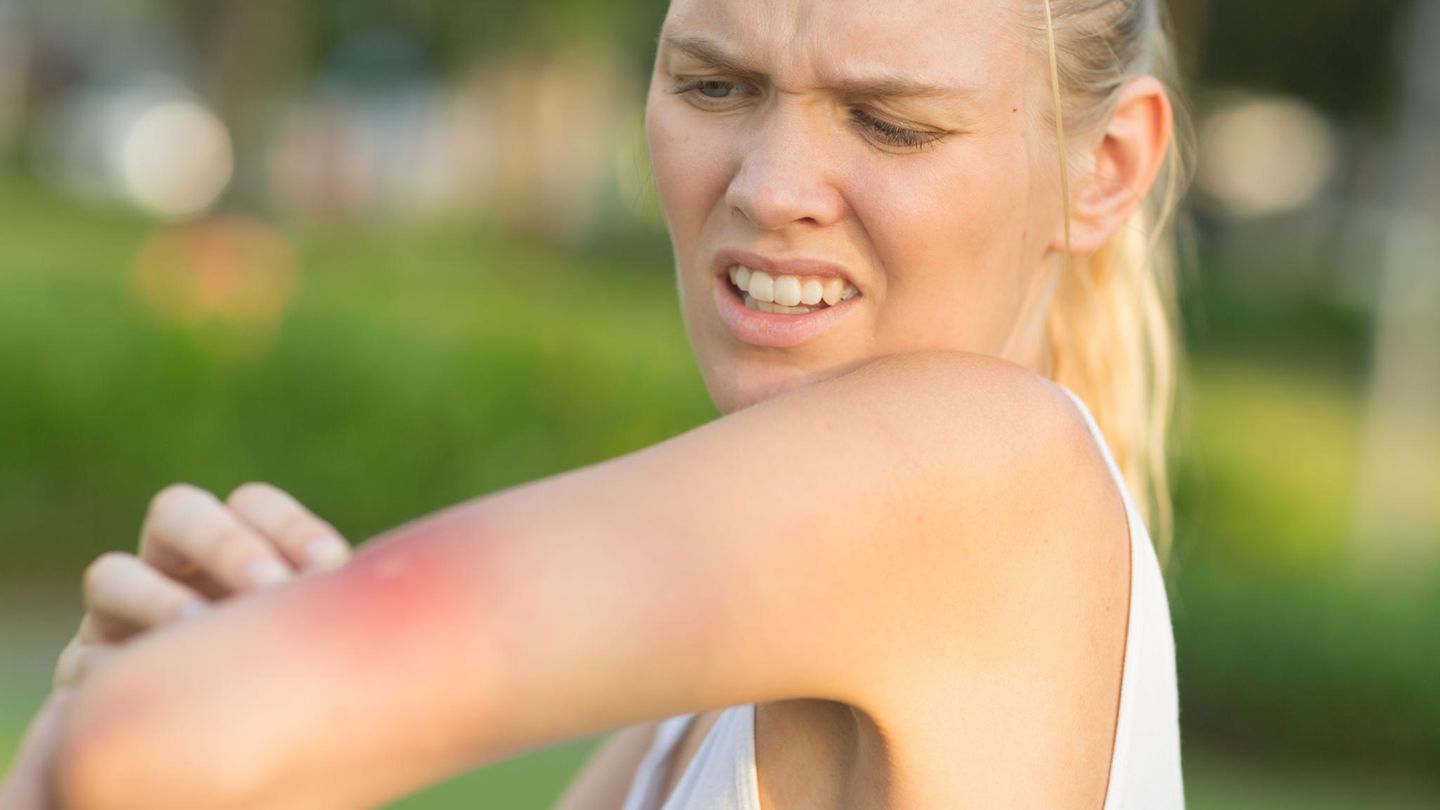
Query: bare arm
x=604, y=781
x=801, y=547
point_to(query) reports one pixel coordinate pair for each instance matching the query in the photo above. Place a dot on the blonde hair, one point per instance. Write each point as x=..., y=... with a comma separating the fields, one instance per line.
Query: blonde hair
x=1110, y=328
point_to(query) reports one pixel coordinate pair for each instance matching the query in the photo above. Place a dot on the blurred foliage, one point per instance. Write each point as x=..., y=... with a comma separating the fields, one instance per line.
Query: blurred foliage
x=409, y=374
x=443, y=34
x=1337, y=54
x=1294, y=665
x=1286, y=648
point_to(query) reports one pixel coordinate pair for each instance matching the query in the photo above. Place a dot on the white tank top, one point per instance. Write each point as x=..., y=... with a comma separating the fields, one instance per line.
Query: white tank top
x=1144, y=767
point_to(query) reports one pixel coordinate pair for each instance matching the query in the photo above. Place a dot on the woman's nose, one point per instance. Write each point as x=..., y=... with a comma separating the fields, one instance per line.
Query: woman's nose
x=784, y=177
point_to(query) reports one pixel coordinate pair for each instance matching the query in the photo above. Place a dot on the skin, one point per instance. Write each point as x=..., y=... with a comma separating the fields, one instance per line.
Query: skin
x=193, y=551
x=952, y=241
x=940, y=625
x=945, y=240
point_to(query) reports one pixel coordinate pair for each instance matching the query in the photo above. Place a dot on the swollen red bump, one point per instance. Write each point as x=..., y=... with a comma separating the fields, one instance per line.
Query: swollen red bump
x=411, y=594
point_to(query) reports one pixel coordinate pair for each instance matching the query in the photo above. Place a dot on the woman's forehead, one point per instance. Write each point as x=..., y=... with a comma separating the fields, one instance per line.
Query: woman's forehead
x=955, y=43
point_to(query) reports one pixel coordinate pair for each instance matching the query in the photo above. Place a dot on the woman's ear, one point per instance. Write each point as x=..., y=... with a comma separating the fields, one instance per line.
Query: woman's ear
x=1122, y=165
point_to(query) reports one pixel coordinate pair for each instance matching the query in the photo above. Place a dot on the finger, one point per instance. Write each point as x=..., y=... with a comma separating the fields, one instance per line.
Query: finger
x=81, y=660
x=123, y=594
x=28, y=785
x=306, y=540
x=186, y=523
x=99, y=632
x=180, y=569
x=67, y=668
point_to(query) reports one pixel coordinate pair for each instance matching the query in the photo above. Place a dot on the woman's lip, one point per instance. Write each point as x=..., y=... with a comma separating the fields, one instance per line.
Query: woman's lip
x=772, y=329
x=730, y=257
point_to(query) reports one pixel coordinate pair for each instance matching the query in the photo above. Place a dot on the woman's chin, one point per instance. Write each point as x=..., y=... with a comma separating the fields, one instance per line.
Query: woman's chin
x=740, y=384
x=730, y=397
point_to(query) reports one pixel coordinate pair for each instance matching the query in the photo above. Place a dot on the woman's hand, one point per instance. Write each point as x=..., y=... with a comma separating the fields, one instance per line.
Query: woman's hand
x=28, y=785
x=194, y=550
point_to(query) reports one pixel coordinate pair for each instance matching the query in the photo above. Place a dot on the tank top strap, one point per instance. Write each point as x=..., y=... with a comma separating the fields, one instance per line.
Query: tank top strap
x=1131, y=511
x=648, y=780
x=1145, y=763
x=721, y=776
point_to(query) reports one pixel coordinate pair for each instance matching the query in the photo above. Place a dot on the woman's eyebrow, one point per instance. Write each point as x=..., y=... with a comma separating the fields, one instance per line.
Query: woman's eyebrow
x=879, y=84
x=711, y=53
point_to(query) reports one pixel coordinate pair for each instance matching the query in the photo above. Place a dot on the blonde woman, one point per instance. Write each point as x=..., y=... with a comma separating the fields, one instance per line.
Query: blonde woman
x=904, y=569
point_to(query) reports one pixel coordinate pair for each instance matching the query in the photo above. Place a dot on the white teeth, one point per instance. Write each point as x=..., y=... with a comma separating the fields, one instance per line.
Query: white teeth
x=788, y=294
x=787, y=291
x=762, y=286
x=779, y=309
x=811, y=292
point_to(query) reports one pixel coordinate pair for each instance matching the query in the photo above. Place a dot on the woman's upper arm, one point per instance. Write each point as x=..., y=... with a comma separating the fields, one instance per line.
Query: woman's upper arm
x=604, y=781
x=786, y=550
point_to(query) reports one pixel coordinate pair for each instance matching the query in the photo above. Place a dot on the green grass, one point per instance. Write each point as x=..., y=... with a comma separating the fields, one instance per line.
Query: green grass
x=1215, y=780
x=1277, y=447
x=533, y=781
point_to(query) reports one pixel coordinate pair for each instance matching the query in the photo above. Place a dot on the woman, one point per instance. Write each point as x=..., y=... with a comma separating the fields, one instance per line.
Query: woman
x=902, y=571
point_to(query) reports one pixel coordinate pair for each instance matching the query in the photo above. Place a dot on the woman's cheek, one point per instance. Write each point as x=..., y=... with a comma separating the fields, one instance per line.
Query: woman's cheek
x=689, y=162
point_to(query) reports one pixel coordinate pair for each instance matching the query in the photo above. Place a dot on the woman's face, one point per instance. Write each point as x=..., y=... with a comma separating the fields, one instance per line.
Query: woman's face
x=894, y=149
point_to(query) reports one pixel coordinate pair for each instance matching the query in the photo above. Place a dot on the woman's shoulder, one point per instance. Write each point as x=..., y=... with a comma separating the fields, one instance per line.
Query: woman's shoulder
x=1022, y=429
x=967, y=391
x=992, y=480
x=1049, y=470
x=1017, y=629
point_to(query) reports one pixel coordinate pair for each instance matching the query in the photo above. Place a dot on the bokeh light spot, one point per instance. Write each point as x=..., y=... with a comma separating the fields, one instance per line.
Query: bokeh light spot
x=1261, y=156
x=176, y=159
x=227, y=281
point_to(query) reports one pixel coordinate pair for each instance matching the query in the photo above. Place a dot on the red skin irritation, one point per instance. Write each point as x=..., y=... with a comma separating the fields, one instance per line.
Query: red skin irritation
x=413, y=592
x=372, y=668
x=404, y=654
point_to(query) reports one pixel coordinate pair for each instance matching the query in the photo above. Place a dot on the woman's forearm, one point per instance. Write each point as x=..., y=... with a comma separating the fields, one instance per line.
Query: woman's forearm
x=264, y=702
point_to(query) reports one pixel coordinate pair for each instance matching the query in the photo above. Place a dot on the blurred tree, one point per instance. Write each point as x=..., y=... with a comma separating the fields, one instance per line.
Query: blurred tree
x=1399, y=513
x=457, y=31
x=247, y=53
x=1336, y=54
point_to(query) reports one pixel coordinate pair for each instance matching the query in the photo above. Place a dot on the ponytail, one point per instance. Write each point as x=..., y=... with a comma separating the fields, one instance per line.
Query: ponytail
x=1110, y=327
x=1111, y=341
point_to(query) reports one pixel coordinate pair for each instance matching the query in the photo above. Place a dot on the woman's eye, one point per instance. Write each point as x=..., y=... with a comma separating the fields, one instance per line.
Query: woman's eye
x=893, y=134
x=709, y=89
x=714, y=93
x=715, y=89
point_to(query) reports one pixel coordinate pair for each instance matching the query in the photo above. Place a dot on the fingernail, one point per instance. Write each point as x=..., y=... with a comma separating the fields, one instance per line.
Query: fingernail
x=326, y=551
x=192, y=608
x=266, y=571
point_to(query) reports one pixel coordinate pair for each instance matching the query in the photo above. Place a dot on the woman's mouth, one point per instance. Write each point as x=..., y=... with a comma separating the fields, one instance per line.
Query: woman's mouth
x=788, y=295
x=782, y=310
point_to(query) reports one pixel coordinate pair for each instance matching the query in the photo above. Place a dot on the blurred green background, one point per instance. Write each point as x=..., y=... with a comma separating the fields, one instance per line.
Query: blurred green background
x=390, y=256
